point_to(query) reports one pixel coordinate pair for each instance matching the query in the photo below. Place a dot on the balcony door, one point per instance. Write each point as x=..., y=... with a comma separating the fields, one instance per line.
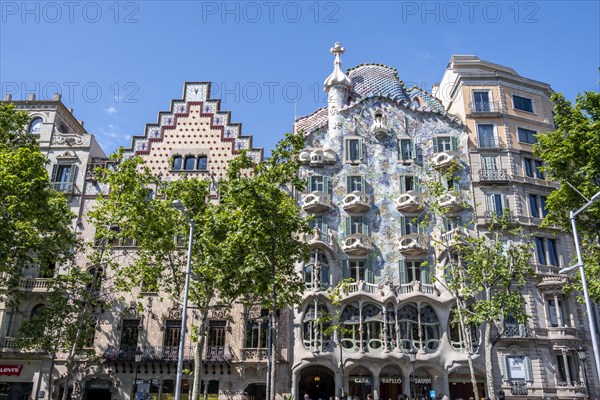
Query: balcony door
x=482, y=101
x=216, y=339
x=485, y=134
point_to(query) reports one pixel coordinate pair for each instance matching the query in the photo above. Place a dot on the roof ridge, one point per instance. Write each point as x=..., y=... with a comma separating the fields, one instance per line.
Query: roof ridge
x=375, y=65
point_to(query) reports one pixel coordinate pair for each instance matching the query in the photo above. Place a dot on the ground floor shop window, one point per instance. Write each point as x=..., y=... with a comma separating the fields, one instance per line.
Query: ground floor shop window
x=15, y=390
x=360, y=383
x=168, y=390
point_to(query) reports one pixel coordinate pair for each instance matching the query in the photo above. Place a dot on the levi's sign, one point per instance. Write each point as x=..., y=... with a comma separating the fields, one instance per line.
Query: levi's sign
x=11, y=370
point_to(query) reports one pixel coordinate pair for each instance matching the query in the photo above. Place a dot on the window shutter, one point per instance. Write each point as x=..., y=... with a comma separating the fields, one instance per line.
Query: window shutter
x=73, y=173
x=326, y=184
x=435, y=145
x=348, y=226
x=489, y=204
x=455, y=184
x=417, y=184
x=365, y=226
x=54, y=172
x=402, y=271
x=425, y=275
x=504, y=202
x=324, y=226
x=324, y=275
x=403, y=184
x=345, y=269
x=360, y=149
x=454, y=143
x=363, y=184
x=348, y=184
x=369, y=273
x=418, y=155
x=528, y=369
x=402, y=226
x=309, y=184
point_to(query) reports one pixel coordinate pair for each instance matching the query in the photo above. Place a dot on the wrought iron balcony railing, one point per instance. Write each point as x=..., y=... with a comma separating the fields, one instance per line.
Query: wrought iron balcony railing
x=493, y=175
x=484, y=107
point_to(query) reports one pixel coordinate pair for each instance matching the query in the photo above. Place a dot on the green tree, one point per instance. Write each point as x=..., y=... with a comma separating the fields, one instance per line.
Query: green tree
x=66, y=323
x=244, y=245
x=571, y=155
x=35, y=220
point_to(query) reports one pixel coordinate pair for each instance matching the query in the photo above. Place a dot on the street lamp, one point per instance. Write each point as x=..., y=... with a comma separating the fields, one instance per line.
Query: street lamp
x=412, y=355
x=582, y=355
x=179, y=206
x=137, y=358
x=588, y=304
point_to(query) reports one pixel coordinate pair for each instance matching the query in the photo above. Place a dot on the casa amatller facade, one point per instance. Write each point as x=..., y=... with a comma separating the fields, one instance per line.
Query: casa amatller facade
x=371, y=154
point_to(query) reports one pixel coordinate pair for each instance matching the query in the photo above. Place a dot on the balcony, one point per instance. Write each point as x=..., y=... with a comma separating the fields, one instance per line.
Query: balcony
x=254, y=355
x=514, y=330
x=410, y=201
x=316, y=202
x=361, y=286
x=413, y=244
x=357, y=244
x=489, y=143
x=445, y=159
x=453, y=237
x=485, y=108
x=218, y=354
x=518, y=388
x=318, y=237
x=356, y=202
x=562, y=333
x=9, y=344
x=493, y=175
x=494, y=217
x=379, y=128
x=318, y=157
x=34, y=284
x=451, y=202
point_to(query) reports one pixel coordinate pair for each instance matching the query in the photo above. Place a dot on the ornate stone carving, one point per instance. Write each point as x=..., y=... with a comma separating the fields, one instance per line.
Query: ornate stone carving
x=67, y=138
x=175, y=312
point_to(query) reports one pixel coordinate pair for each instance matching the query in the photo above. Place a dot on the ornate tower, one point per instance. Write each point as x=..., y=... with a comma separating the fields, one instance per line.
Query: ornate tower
x=336, y=85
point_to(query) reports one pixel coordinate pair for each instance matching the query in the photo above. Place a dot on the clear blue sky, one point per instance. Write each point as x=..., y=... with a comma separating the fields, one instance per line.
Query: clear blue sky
x=119, y=63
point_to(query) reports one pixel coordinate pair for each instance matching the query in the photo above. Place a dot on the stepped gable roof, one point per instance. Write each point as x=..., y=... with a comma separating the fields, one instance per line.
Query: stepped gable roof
x=197, y=94
x=430, y=100
x=310, y=123
x=376, y=80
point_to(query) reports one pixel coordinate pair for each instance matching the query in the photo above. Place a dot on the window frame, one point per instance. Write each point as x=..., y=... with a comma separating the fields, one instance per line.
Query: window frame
x=529, y=133
x=348, y=156
x=494, y=139
x=481, y=91
x=34, y=123
x=521, y=98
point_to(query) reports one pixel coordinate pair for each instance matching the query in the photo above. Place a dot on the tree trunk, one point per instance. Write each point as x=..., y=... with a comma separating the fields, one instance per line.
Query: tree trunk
x=50, y=376
x=469, y=346
x=274, y=363
x=488, y=362
x=198, y=352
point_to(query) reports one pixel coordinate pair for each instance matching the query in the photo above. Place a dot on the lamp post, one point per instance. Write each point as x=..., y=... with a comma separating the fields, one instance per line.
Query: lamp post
x=412, y=354
x=582, y=355
x=137, y=358
x=179, y=206
x=588, y=304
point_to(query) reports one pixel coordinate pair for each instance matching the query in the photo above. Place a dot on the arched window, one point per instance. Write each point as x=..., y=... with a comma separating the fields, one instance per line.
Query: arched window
x=37, y=310
x=373, y=320
x=62, y=128
x=456, y=336
x=350, y=320
x=189, y=164
x=430, y=329
x=35, y=127
x=202, y=163
x=316, y=272
x=408, y=324
x=314, y=326
x=256, y=331
x=390, y=321
x=176, y=163
x=416, y=102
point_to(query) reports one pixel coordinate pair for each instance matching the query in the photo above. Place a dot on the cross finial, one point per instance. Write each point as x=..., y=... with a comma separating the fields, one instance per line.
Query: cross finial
x=337, y=49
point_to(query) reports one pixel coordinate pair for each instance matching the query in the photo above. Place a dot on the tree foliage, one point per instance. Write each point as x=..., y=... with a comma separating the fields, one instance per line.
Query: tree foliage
x=244, y=246
x=35, y=220
x=571, y=155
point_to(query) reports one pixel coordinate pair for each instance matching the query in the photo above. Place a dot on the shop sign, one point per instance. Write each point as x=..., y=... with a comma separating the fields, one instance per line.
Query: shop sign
x=99, y=385
x=423, y=381
x=391, y=380
x=362, y=380
x=9, y=370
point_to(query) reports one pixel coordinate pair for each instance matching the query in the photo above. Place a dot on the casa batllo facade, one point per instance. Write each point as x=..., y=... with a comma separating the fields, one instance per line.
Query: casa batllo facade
x=370, y=154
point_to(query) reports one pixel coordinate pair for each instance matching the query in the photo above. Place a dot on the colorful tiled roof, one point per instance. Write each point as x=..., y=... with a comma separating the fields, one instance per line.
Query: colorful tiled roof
x=429, y=100
x=376, y=80
x=311, y=122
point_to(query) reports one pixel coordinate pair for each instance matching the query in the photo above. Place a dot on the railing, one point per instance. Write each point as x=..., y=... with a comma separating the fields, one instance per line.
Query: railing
x=218, y=354
x=489, y=143
x=316, y=201
x=361, y=286
x=318, y=235
x=514, y=330
x=427, y=288
x=357, y=244
x=34, y=283
x=493, y=175
x=406, y=288
x=484, y=107
x=9, y=343
x=356, y=201
x=518, y=388
x=369, y=288
x=254, y=354
x=150, y=353
x=65, y=187
x=493, y=216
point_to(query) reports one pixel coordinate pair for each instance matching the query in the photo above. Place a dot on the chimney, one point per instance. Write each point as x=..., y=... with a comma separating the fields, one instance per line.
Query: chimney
x=8, y=97
x=31, y=97
x=81, y=122
x=57, y=96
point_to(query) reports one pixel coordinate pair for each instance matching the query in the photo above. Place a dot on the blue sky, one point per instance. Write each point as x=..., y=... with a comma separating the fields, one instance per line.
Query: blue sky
x=118, y=63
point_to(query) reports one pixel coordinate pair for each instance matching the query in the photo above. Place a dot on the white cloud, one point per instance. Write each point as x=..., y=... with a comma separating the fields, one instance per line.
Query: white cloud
x=110, y=110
